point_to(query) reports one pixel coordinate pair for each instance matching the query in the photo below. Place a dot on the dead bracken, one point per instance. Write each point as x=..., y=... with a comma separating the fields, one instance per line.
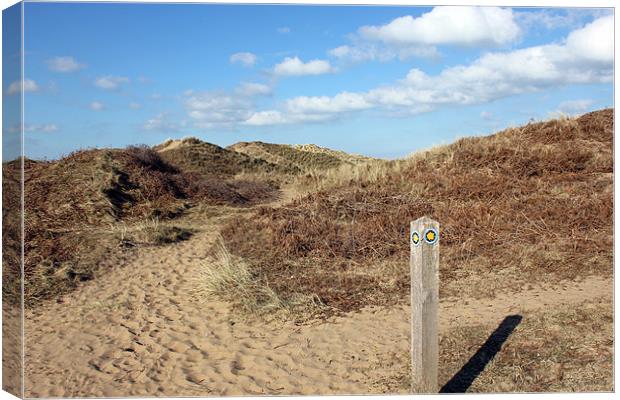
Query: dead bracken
x=535, y=200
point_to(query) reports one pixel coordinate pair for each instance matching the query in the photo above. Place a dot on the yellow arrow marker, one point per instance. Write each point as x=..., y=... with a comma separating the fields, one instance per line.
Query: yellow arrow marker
x=430, y=236
x=415, y=237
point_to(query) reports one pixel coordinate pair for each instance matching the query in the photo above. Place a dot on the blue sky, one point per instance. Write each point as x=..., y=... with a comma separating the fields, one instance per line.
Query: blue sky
x=381, y=81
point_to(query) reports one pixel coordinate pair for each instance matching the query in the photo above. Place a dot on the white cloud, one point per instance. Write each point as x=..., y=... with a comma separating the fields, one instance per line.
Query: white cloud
x=274, y=117
x=486, y=115
x=64, y=64
x=217, y=108
x=548, y=19
x=492, y=76
x=310, y=109
x=407, y=37
x=156, y=96
x=347, y=52
x=45, y=128
x=270, y=117
x=110, y=82
x=160, y=123
x=284, y=30
x=575, y=106
x=135, y=106
x=244, y=58
x=293, y=66
x=29, y=86
x=500, y=74
x=96, y=106
x=372, y=52
x=450, y=25
x=595, y=41
x=342, y=102
x=253, y=89
x=554, y=18
x=228, y=109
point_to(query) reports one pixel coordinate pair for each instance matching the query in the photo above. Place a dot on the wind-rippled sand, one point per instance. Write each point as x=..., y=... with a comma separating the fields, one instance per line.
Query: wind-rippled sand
x=143, y=329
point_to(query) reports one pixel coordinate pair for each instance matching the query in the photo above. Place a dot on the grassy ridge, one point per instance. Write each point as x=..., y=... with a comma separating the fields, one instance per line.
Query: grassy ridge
x=294, y=160
x=206, y=159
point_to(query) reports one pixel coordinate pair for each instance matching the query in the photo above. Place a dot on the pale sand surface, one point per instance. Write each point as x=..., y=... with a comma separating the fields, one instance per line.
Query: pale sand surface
x=144, y=329
x=466, y=311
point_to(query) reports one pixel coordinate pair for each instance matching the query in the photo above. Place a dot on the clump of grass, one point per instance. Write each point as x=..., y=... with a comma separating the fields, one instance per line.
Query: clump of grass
x=231, y=279
x=75, y=258
x=255, y=191
x=168, y=234
x=152, y=232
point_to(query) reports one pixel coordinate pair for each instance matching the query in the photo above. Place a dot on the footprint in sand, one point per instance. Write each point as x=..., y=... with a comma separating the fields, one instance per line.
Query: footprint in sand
x=235, y=367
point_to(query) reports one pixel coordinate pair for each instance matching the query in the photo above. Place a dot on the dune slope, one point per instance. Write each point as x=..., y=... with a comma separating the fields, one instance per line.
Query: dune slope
x=532, y=203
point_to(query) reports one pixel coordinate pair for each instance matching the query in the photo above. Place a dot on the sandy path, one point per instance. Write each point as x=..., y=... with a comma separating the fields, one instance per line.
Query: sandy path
x=138, y=330
x=470, y=311
x=141, y=330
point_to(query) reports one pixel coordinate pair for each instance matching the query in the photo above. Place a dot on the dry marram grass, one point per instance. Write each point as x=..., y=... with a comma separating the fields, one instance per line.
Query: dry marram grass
x=229, y=278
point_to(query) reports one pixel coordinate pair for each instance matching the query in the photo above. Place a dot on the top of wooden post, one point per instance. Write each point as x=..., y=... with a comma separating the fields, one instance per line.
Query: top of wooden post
x=425, y=220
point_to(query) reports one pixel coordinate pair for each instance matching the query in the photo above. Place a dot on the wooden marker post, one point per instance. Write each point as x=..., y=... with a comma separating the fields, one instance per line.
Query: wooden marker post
x=424, y=240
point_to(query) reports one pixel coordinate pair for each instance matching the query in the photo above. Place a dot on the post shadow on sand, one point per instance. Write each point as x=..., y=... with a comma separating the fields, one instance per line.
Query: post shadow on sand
x=463, y=379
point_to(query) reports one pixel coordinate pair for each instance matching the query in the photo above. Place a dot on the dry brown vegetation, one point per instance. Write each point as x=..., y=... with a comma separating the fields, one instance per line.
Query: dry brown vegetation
x=11, y=232
x=535, y=201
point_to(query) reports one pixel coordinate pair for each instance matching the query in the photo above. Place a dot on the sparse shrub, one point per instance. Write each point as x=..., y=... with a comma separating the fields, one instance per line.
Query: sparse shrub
x=217, y=191
x=145, y=157
x=170, y=234
x=154, y=232
x=254, y=191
